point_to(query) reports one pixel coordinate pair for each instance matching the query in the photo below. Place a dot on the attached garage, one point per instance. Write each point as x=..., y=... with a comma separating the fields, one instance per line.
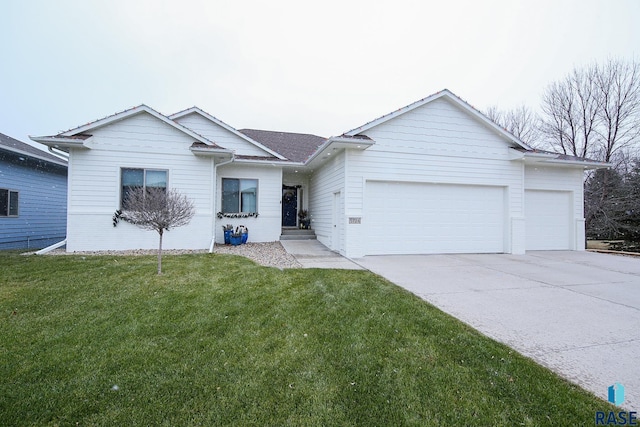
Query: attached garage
x=548, y=219
x=426, y=218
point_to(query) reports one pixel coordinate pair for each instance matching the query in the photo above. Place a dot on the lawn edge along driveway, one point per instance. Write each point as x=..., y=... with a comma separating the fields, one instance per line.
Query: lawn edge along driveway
x=577, y=313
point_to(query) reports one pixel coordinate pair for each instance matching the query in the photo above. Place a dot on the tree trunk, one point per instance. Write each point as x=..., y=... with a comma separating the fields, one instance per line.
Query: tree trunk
x=160, y=253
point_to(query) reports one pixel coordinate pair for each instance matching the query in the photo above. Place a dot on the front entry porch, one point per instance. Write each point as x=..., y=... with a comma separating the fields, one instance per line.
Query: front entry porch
x=295, y=222
x=294, y=233
x=294, y=207
x=290, y=205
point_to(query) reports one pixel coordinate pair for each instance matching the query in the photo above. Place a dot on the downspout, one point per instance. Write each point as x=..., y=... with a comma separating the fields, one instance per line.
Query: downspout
x=52, y=247
x=215, y=176
x=64, y=242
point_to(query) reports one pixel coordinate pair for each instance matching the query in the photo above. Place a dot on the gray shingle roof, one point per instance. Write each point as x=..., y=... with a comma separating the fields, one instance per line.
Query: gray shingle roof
x=297, y=147
x=13, y=145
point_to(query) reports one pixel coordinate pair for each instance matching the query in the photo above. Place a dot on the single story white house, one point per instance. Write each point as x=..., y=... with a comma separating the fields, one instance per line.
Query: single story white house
x=436, y=176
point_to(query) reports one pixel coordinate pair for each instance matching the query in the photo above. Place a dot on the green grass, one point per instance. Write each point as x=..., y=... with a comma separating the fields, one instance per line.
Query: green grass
x=219, y=340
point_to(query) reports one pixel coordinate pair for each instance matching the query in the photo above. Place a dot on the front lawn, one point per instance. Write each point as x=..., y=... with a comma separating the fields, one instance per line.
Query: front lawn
x=219, y=340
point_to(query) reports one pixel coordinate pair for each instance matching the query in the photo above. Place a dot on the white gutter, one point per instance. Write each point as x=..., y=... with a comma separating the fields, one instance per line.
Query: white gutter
x=59, y=142
x=209, y=151
x=585, y=164
x=61, y=153
x=553, y=159
x=215, y=175
x=52, y=247
x=271, y=162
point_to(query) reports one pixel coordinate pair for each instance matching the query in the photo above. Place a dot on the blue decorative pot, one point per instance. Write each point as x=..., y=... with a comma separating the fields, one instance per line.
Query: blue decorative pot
x=236, y=239
x=245, y=236
x=227, y=236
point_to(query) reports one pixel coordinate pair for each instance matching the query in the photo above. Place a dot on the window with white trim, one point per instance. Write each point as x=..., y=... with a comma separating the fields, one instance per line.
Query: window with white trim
x=239, y=195
x=132, y=178
x=8, y=202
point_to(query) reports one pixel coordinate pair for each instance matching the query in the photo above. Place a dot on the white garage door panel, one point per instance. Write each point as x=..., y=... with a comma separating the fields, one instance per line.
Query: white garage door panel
x=418, y=218
x=548, y=220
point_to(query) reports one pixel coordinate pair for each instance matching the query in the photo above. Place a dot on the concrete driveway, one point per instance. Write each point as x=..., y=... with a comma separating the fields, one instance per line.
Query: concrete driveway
x=577, y=313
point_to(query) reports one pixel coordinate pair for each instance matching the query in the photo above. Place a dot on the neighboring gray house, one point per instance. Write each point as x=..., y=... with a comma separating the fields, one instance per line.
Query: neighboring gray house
x=33, y=196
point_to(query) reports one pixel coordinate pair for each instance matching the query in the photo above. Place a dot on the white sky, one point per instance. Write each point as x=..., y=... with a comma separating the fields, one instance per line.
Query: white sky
x=320, y=67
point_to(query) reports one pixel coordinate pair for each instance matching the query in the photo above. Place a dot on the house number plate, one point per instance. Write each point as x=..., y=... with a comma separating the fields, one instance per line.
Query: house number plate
x=355, y=220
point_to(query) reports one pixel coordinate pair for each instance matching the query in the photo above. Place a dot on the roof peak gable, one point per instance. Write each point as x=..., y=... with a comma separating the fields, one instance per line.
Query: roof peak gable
x=122, y=115
x=213, y=119
x=450, y=96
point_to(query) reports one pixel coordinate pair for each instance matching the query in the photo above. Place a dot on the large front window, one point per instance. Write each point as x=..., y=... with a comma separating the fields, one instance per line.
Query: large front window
x=140, y=178
x=239, y=195
x=8, y=202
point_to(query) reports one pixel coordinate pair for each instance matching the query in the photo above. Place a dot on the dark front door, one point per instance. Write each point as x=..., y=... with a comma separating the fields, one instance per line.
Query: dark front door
x=289, y=206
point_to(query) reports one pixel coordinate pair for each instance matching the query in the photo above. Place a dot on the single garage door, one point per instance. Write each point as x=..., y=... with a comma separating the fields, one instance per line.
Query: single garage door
x=419, y=218
x=548, y=220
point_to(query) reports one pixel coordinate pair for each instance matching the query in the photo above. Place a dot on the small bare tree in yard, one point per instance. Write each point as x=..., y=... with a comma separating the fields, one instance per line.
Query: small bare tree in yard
x=157, y=209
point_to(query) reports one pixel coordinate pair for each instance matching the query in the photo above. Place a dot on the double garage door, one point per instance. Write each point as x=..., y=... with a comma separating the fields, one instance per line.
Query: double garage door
x=420, y=218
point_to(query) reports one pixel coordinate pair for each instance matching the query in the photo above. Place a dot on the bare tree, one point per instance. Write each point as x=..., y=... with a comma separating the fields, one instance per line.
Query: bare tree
x=594, y=111
x=571, y=113
x=157, y=209
x=522, y=122
x=618, y=85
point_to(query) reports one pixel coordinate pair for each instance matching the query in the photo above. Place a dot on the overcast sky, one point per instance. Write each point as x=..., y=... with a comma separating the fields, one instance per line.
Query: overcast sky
x=320, y=67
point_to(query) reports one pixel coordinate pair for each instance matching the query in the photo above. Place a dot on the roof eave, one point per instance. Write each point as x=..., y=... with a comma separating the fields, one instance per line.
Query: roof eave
x=579, y=163
x=535, y=156
x=61, y=143
x=335, y=143
x=553, y=159
x=108, y=120
x=208, y=152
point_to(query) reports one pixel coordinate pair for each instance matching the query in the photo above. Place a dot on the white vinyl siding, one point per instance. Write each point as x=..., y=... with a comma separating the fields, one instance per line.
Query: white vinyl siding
x=328, y=180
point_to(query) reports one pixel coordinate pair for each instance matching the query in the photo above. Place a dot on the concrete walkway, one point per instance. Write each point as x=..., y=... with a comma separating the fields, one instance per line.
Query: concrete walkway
x=577, y=313
x=313, y=254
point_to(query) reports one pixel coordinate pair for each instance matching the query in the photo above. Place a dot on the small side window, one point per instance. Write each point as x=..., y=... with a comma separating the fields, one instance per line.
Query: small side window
x=9, y=202
x=13, y=203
